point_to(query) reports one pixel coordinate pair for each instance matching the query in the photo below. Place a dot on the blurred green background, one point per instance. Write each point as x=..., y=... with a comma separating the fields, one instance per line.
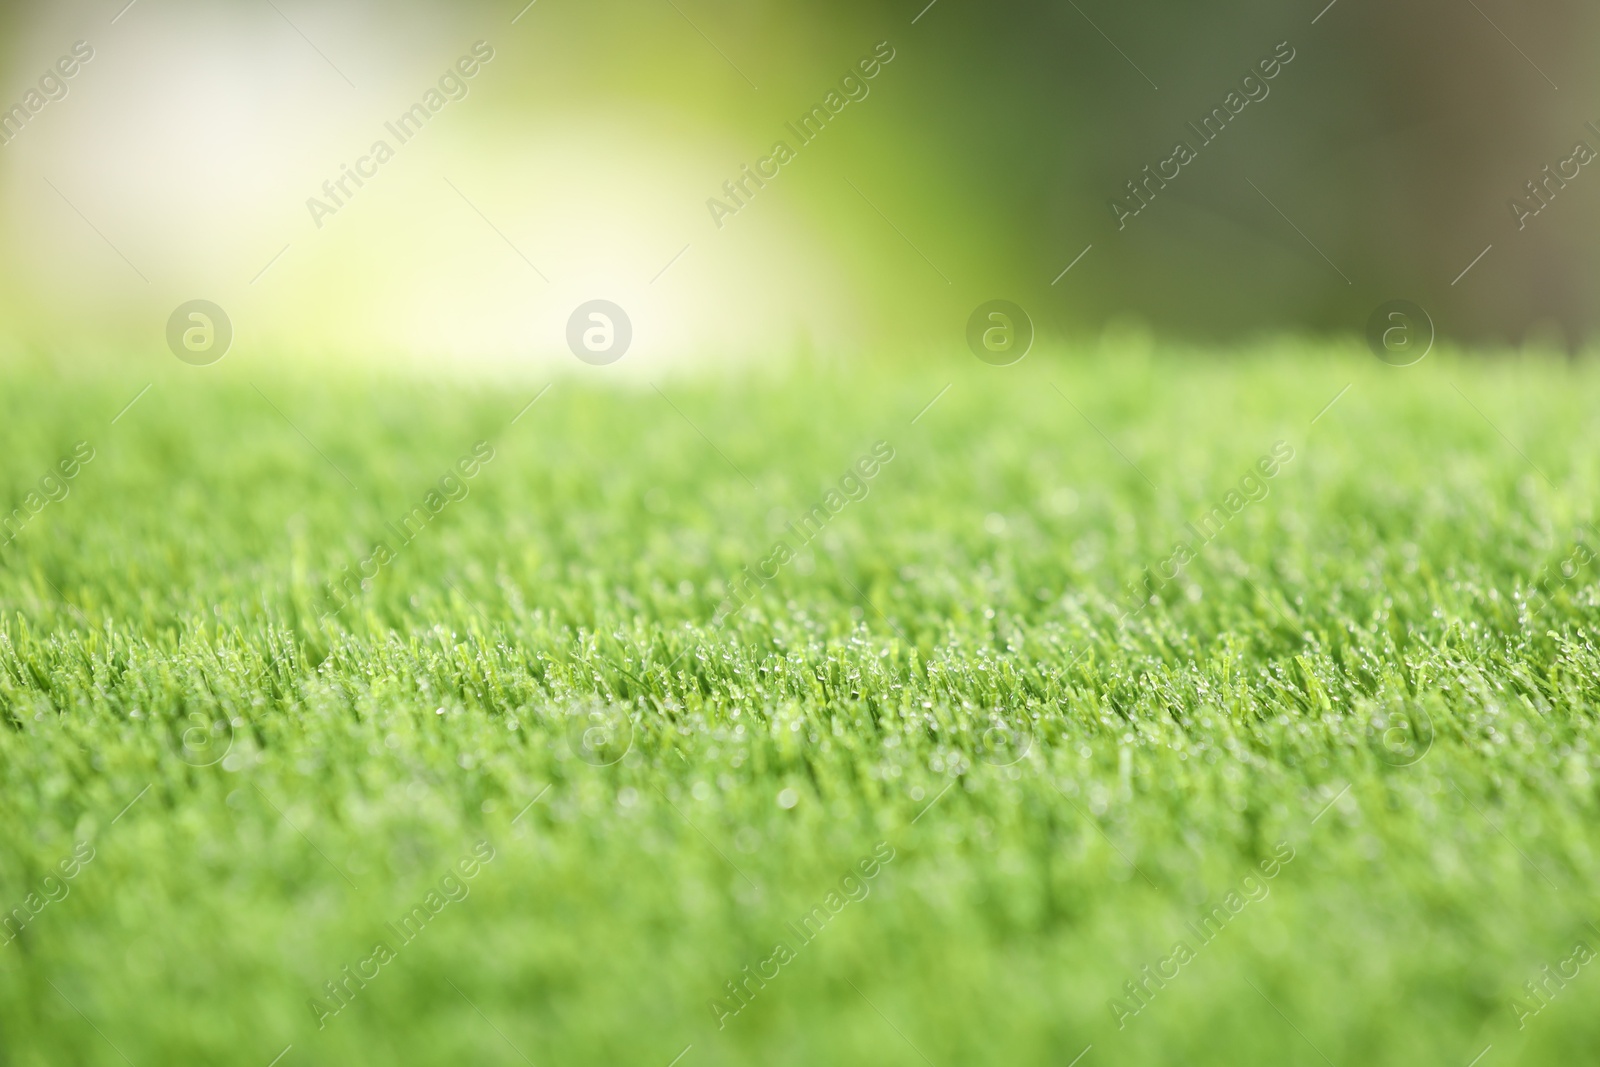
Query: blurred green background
x=980, y=165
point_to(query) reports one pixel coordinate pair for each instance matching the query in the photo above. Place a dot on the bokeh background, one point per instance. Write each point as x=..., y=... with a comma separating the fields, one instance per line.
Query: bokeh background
x=179, y=163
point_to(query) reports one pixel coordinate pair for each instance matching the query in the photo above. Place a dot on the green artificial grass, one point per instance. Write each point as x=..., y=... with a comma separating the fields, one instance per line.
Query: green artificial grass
x=1000, y=760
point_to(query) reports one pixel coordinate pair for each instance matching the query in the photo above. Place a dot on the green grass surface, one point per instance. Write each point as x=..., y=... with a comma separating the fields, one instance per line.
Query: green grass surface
x=1344, y=722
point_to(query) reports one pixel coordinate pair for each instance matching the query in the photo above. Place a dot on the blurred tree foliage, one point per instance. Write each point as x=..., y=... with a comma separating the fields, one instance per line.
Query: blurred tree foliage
x=1393, y=144
x=1381, y=165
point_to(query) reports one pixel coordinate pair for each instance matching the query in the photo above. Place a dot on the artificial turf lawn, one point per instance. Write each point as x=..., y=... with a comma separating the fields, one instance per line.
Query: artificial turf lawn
x=945, y=785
